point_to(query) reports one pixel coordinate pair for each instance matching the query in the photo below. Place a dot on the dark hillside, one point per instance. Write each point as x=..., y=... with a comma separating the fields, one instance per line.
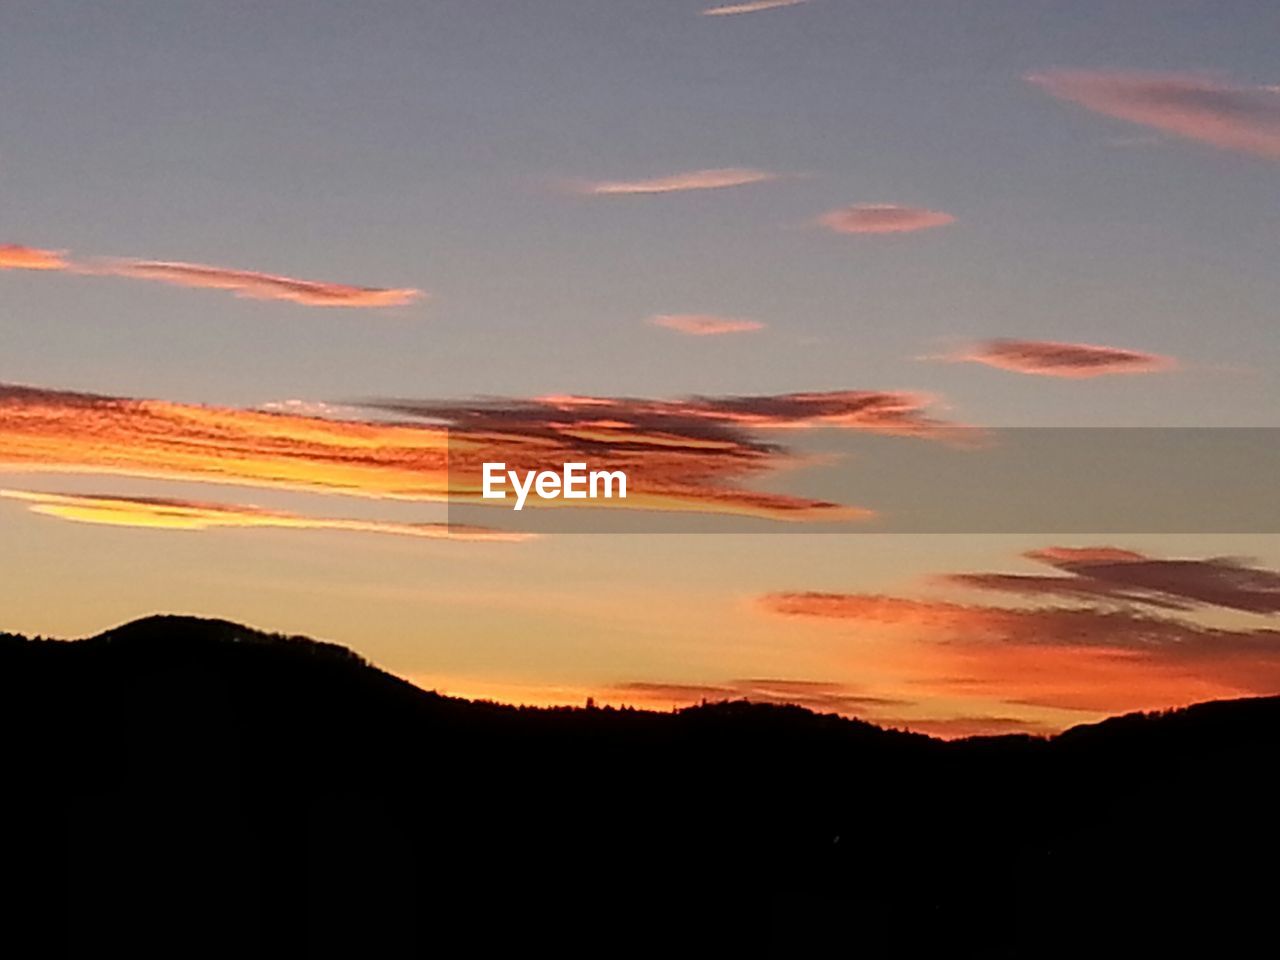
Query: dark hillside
x=178, y=782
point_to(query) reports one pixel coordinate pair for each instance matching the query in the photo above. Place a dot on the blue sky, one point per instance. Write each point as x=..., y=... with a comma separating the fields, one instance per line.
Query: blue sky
x=428, y=145
x=447, y=146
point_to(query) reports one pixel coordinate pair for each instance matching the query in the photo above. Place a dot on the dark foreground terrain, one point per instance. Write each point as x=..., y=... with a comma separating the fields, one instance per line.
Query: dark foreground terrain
x=183, y=787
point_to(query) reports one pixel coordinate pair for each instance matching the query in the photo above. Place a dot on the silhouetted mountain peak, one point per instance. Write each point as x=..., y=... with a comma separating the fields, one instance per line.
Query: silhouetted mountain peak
x=180, y=626
x=167, y=631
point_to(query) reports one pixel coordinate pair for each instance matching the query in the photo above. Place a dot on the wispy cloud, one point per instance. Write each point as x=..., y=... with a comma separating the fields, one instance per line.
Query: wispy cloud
x=704, y=324
x=243, y=283
x=688, y=454
x=1051, y=358
x=1106, y=651
x=168, y=514
x=1198, y=107
x=716, y=419
x=15, y=257
x=262, y=286
x=58, y=431
x=1133, y=579
x=883, y=218
x=754, y=7
x=682, y=455
x=677, y=182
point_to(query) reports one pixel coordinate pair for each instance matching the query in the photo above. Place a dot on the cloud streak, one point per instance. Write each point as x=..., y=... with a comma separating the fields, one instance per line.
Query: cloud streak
x=689, y=454
x=1134, y=579
x=679, y=455
x=716, y=179
x=1244, y=119
x=883, y=218
x=248, y=284
x=169, y=514
x=754, y=7
x=15, y=257
x=1076, y=361
x=703, y=420
x=58, y=431
x=703, y=324
x=261, y=286
x=1044, y=626
x=1080, y=658
x=1116, y=648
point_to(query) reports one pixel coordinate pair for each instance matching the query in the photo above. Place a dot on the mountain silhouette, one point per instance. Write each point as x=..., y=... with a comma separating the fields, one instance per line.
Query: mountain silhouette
x=182, y=786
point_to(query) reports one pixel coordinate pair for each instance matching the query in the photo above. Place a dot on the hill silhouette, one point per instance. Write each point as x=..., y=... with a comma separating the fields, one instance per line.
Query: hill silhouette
x=181, y=785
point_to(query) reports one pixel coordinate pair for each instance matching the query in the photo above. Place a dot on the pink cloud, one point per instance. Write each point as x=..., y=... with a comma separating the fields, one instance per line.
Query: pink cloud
x=1241, y=118
x=1051, y=358
x=703, y=324
x=243, y=283
x=262, y=286
x=677, y=182
x=883, y=218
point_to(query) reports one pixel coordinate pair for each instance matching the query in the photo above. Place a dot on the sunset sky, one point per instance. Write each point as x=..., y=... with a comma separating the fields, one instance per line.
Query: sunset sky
x=272, y=275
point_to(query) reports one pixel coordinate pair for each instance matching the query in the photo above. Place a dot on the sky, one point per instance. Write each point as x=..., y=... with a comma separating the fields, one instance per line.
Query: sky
x=264, y=267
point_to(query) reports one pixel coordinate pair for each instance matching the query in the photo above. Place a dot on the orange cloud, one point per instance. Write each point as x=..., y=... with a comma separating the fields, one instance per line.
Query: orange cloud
x=1075, y=361
x=685, y=455
x=883, y=218
x=14, y=257
x=703, y=324
x=753, y=7
x=1240, y=118
x=1106, y=656
x=243, y=283
x=1050, y=626
x=56, y=431
x=1067, y=658
x=677, y=182
x=262, y=286
x=168, y=514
